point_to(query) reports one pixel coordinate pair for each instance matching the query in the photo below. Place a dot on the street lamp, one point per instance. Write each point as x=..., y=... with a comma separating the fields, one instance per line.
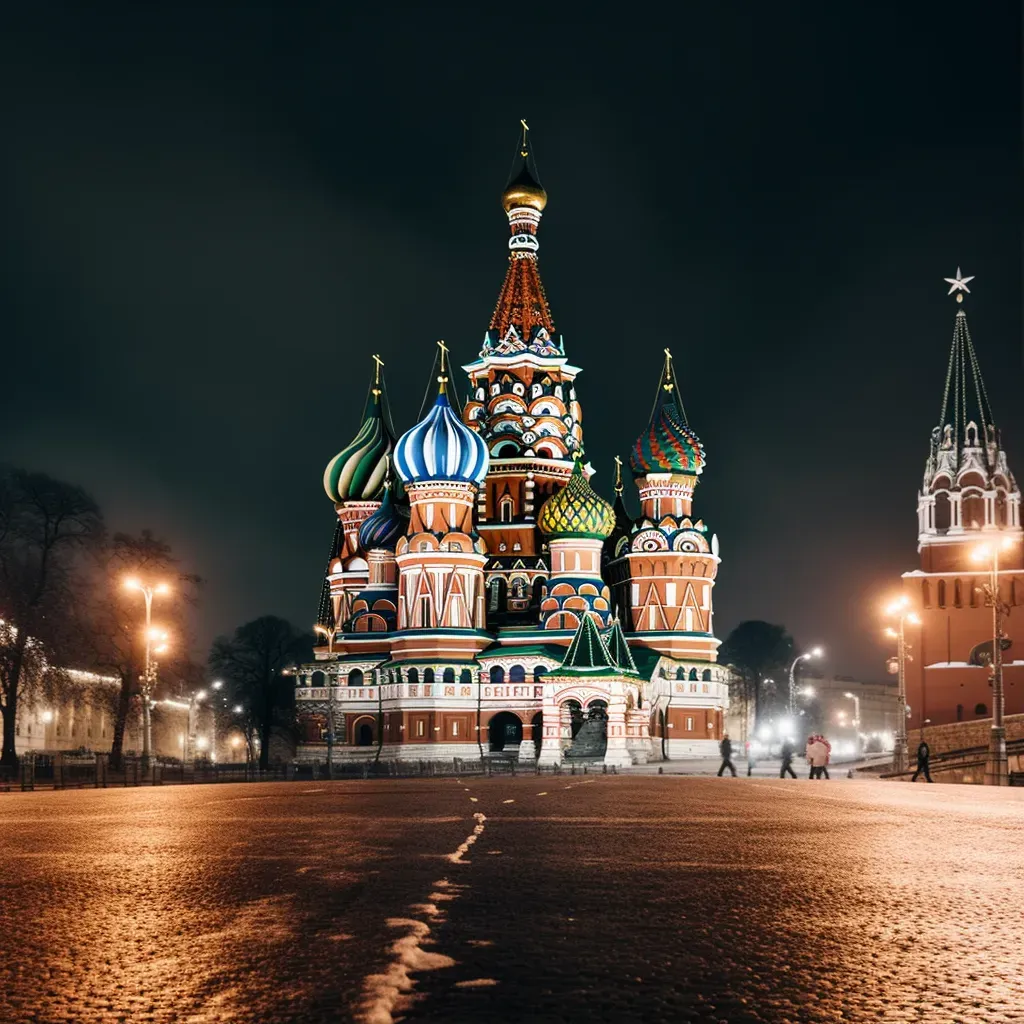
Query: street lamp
x=149, y=676
x=996, y=770
x=901, y=608
x=814, y=652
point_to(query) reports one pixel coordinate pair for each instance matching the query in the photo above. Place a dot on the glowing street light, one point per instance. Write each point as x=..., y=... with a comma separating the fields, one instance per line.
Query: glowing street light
x=814, y=652
x=996, y=770
x=900, y=607
x=149, y=676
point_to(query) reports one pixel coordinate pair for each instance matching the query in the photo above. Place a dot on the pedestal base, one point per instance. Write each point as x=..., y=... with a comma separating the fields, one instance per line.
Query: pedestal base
x=527, y=752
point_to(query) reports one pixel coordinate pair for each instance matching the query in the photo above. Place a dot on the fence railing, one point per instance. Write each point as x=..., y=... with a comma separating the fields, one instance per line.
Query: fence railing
x=60, y=771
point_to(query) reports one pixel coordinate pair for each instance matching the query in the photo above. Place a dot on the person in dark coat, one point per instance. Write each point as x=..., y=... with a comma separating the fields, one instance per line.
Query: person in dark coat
x=787, y=759
x=726, y=749
x=923, y=757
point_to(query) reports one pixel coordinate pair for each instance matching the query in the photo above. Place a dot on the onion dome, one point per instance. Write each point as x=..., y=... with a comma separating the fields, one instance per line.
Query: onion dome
x=357, y=472
x=668, y=444
x=576, y=510
x=524, y=190
x=384, y=527
x=440, y=447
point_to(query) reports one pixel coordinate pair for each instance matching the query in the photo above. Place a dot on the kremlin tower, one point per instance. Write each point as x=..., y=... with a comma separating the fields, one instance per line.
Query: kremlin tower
x=968, y=505
x=511, y=610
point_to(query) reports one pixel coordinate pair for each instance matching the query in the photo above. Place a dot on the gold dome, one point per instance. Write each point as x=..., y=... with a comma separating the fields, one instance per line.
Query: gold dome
x=576, y=510
x=523, y=190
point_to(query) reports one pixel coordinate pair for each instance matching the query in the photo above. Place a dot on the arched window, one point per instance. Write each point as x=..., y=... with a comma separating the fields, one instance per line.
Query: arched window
x=517, y=674
x=941, y=588
x=706, y=675
x=926, y=594
x=680, y=673
x=506, y=508
x=414, y=677
x=980, y=709
x=538, y=673
x=972, y=510
x=449, y=675
x=957, y=594
x=355, y=677
x=942, y=511
x=1002, y=510
x=465, y=677
x=428, y=675
x=497, y=674
x=693, y=674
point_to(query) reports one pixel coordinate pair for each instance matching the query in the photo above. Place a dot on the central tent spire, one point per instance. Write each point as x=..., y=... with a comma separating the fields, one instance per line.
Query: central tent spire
x=522, y=319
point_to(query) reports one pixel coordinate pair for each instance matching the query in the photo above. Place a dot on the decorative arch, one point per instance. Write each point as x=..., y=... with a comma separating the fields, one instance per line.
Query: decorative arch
x=497, y=674
x=517, y=674
x=355, y=677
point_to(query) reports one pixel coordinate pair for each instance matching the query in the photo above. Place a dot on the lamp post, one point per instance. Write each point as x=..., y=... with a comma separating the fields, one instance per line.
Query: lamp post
x=996, y=768
x=901, y=608
x=149, y=676
x=814, y=652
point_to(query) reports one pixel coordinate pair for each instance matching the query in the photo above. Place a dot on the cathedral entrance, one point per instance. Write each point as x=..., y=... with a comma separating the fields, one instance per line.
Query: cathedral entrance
x=589, y=731
x=504, y=730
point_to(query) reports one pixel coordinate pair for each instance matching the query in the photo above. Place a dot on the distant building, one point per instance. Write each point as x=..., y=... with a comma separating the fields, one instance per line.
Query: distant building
x=481, y=596
x=968, y=497
x=848, y=706
x=83, y=720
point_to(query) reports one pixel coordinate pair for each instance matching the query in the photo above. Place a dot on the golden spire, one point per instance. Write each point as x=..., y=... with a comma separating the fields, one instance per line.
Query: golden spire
x=442, y=379
x=376, y=374
x=618, y=475
x=524, y=149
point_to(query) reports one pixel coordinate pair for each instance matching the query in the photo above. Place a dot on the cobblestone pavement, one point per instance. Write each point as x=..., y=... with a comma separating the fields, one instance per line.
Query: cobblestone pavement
x=559, y=898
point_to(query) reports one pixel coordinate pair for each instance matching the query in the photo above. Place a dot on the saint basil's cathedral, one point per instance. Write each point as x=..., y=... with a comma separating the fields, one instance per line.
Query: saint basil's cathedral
x=482, y=597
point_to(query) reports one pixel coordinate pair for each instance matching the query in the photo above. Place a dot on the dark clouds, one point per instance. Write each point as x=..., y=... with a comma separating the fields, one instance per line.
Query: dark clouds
x=212, y=217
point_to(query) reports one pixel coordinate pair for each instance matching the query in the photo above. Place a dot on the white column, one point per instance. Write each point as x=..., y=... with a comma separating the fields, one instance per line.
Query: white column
x=617, y=753
x=551, y=740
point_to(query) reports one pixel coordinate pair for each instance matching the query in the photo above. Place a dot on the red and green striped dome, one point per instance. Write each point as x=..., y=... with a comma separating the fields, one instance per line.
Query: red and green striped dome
x=667, y=445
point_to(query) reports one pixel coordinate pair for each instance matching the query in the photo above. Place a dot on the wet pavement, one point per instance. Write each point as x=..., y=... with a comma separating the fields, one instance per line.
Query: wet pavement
x=553, y=898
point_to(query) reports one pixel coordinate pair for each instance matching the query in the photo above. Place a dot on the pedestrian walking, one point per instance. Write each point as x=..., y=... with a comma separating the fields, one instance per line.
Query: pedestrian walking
x=787, y=759
x=817, y=755
x=923, y=758
x=725, y=747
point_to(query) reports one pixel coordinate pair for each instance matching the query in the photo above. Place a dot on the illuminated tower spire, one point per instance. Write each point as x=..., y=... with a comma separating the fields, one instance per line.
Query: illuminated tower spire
x=522, y=319
x=967, y=483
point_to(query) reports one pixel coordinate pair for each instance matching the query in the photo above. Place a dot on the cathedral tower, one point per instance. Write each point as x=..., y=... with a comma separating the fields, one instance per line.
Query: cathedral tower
x=665, y=574
x=968, y=500
x=441, y=610
x=576, y=521
x=523, y=404
x=354, y=481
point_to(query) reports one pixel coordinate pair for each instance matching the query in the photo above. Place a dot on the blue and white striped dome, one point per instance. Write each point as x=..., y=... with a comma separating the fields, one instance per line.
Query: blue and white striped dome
x=441, y=447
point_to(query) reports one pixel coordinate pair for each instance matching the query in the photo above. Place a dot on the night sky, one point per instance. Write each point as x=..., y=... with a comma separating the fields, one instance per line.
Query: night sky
x=211, y=218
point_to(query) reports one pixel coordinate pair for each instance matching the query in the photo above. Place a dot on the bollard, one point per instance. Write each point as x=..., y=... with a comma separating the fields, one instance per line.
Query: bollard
x=604, y=769
x=661, y=771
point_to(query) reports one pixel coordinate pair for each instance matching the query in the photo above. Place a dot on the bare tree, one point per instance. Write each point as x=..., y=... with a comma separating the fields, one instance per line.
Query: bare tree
x=46, y=526
x=251, y=663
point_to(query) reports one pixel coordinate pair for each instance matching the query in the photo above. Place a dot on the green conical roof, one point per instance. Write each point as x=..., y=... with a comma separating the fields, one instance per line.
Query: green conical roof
x=587, y=652
x=618, y=649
